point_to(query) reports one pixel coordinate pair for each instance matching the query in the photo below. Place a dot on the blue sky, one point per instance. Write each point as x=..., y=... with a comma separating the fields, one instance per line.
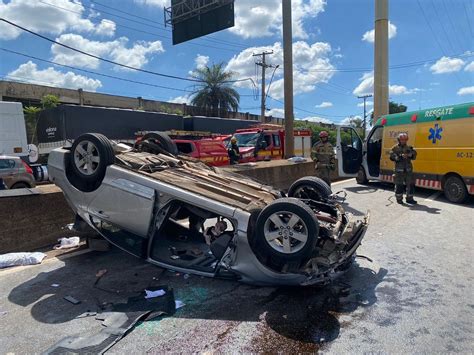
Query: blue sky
x=333, y=51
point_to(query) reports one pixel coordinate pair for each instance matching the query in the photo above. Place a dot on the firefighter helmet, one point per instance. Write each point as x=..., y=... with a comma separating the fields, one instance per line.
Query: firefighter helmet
x=233, y=140
x=403, y=137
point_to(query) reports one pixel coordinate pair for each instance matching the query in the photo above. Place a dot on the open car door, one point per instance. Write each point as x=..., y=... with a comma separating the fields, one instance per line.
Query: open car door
x=349, y=151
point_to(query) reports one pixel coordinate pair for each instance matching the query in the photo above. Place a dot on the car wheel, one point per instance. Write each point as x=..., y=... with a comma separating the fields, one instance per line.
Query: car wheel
x=455, y=189
x=310, y=187
x=286, y=230
x=361, y=178
x=162, y=140
x=21, y=185
x=90, y=155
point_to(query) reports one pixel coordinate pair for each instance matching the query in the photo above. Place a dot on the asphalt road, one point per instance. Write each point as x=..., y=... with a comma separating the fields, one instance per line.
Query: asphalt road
x=414, y=297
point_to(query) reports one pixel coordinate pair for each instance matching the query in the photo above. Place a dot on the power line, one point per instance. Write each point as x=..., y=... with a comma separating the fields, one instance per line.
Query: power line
x=93, y=72
x=101, y=74
x=310, y=112
x=442, y=27
x=97, y=57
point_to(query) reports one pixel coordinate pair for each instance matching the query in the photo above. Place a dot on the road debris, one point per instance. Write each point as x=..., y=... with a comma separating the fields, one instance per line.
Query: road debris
x=55, y=285
x=72, y=300
x=21, y=259
x=178, y=304
x=66, y=243
x=153, y=294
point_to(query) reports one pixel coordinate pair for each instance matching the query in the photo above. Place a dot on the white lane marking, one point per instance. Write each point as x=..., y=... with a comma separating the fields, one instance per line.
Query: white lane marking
x=342, y=181
x=433, y=196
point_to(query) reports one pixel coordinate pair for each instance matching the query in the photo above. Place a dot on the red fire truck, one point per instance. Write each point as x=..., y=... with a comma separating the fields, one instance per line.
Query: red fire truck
x=204, y=146
x=267, y=142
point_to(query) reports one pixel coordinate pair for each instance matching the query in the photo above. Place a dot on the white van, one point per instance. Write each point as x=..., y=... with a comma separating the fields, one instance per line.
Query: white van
x=12, y=130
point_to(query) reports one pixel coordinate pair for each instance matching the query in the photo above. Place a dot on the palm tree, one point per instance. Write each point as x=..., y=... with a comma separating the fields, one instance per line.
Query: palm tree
x=214, y=91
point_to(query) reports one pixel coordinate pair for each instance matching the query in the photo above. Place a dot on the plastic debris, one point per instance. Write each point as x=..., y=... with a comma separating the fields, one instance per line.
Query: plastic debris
x=54, y=285
x=153, y=294
x=65, y=243
x=72, y=300
x=17, y=259
x=297, y=159
x=178, y=304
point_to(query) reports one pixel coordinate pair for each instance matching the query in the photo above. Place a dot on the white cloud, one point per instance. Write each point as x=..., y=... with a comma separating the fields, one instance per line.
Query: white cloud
x=367, y=104
x=201, y=61
x=369, y=36
x=469, y=67
x=366, y=87
x=40, y=17
x=30, y=72
x=276, y=112
x=185, y=99
x=160, y=3
x=263, y=18
x=468, y=90
x=324, y=104
x=317, y=119
x=135, y=56
x=311, y=65
x=447, y=65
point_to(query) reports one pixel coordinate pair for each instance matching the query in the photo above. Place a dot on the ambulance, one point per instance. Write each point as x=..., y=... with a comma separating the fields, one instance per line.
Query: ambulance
x=442, y=136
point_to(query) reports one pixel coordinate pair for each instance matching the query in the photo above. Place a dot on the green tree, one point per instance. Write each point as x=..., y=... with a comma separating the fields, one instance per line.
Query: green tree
x=214, y=92
x=393, y=107
x=30, y=122
x=316, y=128
x=49, y=101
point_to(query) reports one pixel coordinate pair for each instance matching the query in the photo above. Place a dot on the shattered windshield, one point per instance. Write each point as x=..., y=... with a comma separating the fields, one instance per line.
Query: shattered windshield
x=247, y=139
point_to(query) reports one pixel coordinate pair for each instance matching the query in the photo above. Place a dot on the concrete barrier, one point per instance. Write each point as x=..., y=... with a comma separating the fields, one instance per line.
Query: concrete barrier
x=277, y=173
x=32, y=218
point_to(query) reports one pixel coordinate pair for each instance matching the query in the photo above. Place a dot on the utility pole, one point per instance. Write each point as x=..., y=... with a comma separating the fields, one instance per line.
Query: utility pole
x=365, y=97
x=264, y=66
x=288, y=77
x=381, y=59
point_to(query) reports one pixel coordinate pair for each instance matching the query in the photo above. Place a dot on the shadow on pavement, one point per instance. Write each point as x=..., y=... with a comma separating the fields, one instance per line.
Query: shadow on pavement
x=306, y=315
x=424, y=208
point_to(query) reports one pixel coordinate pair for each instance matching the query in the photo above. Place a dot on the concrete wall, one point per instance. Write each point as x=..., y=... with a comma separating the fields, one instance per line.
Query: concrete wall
x=32, y=94
x=278, y=173
x=32, y=220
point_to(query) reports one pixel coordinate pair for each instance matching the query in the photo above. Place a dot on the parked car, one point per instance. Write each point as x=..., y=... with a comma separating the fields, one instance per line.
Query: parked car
x=2, y=184
x=16, y=173
x=170, y=209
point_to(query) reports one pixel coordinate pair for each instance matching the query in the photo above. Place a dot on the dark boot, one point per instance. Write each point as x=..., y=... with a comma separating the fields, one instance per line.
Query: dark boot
x=399, y=198
x=411, y=200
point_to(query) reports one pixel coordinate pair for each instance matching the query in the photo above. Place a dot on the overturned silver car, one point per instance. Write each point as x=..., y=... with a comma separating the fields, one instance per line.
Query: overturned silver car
x=180, y=214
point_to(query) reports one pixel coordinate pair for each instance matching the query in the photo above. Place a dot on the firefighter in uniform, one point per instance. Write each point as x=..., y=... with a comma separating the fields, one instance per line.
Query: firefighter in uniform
x=234, y=153
x=402, y=154
x=323, y=154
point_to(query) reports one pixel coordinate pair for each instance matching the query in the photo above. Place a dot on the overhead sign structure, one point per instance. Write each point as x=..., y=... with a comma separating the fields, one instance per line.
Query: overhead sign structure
x=195, y=18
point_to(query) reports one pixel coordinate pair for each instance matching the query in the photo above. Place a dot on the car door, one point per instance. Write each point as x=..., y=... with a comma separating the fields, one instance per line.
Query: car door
x=122, y=211
x=348, y=151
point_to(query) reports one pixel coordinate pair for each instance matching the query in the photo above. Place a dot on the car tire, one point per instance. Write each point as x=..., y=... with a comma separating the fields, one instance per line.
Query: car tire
x=21, y=185
x=361, y=178
x=163, y=140
x=310, y=187
x=286, y=230
x=90, y=155
x=455, y=189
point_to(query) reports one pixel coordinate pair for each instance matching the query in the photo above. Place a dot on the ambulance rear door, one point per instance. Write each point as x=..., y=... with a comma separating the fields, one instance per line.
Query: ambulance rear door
x=349, y=151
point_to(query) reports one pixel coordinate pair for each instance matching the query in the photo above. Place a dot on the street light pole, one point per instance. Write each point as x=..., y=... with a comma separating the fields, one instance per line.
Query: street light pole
x=381, y=59
x=288, y=78
x=365, y=97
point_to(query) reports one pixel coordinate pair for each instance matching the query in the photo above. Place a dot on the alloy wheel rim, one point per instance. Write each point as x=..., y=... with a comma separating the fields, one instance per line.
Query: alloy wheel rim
x=86, y=157
x=286, y=232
